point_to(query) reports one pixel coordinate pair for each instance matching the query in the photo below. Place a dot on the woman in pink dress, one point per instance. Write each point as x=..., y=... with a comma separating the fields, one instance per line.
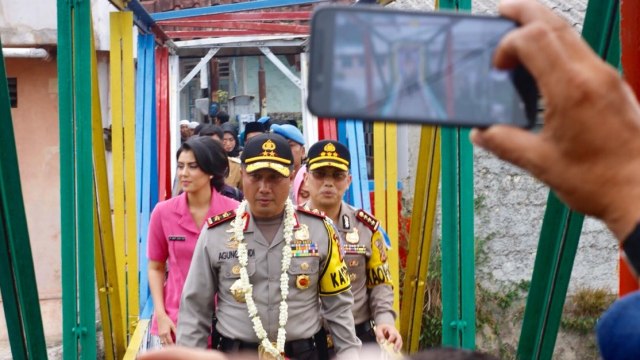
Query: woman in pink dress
x=175, y=226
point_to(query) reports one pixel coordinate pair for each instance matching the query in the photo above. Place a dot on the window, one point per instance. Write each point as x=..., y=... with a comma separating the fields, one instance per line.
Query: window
x=13, y=91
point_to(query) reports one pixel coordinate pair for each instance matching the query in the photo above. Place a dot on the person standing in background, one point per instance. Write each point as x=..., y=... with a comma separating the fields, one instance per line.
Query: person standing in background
x=327, y=180
x=296, y=142
x=185, y=133
x=175, y=226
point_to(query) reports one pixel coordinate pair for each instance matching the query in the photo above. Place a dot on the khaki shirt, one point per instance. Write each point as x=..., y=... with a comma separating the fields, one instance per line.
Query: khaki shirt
x=235, y=175
x=366, y=258
x=318, y=281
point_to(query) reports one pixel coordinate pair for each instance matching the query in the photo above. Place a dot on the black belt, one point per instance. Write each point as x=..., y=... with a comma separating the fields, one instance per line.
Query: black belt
x=291, y=348
x=364, y=328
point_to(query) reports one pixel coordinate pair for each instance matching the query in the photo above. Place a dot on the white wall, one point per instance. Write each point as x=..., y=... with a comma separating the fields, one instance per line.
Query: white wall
x=28, y=22
x=34, y=23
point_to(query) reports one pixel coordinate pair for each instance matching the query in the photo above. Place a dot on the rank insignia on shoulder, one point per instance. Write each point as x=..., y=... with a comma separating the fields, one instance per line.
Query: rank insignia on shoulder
x=367, y=219
x=220, y=218
x=315, y=212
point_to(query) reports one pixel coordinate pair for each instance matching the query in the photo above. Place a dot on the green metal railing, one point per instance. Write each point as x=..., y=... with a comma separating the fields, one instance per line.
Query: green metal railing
x=458, y=255
x=76, y=180
x=17, y=279
x=561, y=227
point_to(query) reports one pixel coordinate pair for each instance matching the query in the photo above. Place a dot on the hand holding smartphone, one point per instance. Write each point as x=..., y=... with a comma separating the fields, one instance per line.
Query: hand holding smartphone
x=427, y=67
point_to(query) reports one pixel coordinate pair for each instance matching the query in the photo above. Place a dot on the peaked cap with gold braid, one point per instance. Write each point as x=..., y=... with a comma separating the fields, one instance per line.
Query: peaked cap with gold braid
x=328, y=153
x=268, y=151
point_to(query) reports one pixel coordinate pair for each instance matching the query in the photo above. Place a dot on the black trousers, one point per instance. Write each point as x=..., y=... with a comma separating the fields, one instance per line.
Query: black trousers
x=314, y=348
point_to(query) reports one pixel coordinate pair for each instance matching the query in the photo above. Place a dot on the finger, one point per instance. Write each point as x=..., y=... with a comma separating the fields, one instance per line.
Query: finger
x=171, y=334
x=520, y=147
x=546, y=45
x=379, y=331
x=398, y=345
x=527, y=11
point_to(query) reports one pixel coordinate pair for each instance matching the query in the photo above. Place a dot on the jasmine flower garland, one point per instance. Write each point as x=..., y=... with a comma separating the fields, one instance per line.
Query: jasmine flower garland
x=243, y=285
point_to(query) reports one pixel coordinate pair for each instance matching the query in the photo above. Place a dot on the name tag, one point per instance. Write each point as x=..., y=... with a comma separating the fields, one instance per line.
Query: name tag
x=352, y=249
x=177, y=238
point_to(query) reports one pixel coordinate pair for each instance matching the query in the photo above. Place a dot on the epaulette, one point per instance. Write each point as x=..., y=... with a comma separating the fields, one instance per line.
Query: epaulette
x=367, y=219
x=220, y=218
x=315, y=212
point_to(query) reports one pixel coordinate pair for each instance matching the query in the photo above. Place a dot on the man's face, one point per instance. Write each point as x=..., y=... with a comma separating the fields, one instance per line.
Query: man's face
x=266, y=191
x=298, y=153
x=184, y=131
x=326, y=185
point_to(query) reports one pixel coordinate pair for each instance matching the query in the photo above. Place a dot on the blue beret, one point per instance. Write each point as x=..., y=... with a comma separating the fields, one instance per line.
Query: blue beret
x=618, y=330
x=289, y=132
x=264, y=119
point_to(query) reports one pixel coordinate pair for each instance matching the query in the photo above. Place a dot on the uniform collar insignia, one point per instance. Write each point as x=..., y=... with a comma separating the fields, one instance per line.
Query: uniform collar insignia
x=346, y=224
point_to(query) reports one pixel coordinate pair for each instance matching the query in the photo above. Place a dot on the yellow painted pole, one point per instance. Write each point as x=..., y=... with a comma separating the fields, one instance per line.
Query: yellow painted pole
x=129, y=118
x=117, y=141
x=124, y=176
x=420, y=238
x=379, y=159
x=136, y=340
x=106, y=270
x=391, y=191
x=385, y=177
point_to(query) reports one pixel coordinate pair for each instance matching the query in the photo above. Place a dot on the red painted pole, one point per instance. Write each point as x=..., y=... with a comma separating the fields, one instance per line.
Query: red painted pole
x=630, y=49
x=162, y=113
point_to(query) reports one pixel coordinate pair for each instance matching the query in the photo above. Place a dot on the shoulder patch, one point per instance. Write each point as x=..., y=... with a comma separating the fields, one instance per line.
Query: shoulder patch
x=315, y=212
x=367, y=219
x=220, y=218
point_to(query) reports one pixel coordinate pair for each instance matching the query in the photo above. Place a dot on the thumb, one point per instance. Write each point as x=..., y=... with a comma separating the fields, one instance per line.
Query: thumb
x=517, y=146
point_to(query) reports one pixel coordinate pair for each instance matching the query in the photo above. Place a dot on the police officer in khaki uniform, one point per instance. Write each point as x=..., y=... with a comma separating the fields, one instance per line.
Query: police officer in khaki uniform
x=327, y=180
x=274, y=269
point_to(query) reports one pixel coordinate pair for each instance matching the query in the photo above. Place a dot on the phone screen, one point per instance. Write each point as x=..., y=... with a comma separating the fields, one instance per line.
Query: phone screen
x=394, y=65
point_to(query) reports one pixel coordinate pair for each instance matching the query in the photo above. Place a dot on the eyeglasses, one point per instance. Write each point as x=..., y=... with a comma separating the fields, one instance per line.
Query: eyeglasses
x=336, y=175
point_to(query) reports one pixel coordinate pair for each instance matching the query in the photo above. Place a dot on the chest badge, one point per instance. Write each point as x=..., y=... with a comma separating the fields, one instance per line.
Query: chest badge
x=238, y=295
x=302, y=233
x=235, y=270
x=302, y=282
x=353, y=237
x=232, y=243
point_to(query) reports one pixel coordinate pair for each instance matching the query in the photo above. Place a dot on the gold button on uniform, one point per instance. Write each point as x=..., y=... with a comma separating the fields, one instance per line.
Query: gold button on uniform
x=304, y=266
x=235, y=270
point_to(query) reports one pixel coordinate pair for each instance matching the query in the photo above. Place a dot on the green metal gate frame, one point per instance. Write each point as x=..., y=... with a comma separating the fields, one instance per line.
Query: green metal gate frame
x=458, y=250
x=76, y=180
x=18, y=280
x=561, y=227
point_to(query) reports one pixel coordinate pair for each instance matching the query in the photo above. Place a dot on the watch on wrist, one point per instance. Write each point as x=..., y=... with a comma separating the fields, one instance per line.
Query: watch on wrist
x=631, y=250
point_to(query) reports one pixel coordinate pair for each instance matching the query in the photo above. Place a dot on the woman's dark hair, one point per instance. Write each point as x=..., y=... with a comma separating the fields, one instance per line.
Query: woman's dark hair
x=210, y=130
x=229, y=128
x=210, y=156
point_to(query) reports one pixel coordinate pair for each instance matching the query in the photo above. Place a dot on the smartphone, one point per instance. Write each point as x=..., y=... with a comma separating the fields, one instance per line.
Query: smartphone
x=373, y=63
